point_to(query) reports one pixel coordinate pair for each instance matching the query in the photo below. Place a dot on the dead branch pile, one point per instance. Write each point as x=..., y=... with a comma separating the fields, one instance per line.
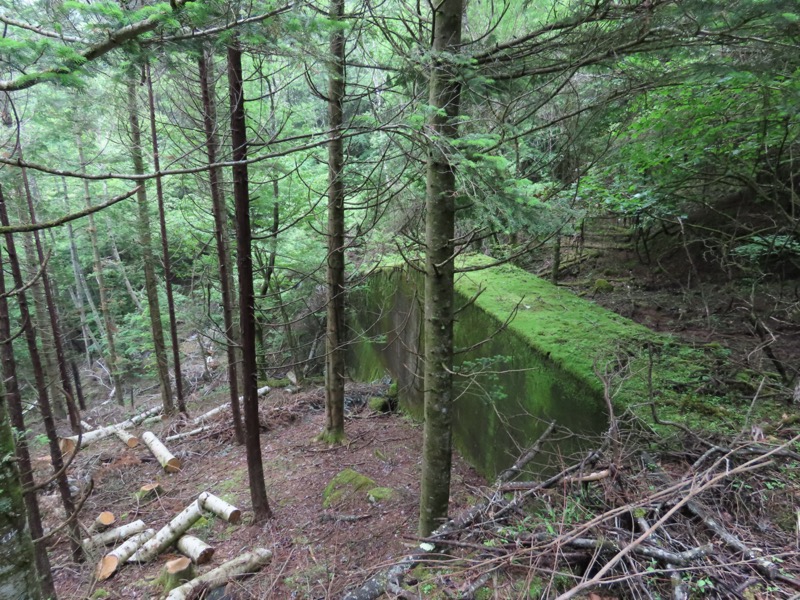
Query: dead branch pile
x=640, y=526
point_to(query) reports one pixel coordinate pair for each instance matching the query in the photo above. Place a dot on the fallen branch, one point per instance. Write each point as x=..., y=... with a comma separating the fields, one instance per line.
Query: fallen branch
x=185, y=434
x=238, y=567
x=223, y=407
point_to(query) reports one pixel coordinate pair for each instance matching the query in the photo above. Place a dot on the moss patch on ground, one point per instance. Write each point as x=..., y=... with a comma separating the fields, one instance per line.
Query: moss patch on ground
x=346, y=485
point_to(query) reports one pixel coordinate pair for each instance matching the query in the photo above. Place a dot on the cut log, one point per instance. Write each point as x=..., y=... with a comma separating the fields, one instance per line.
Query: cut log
x=196, y=549
x=151, y=420
x=112, y=536
x=242, y=565
x=68, y=443
x=159, y=450
x=148, y=491
x=176, y=572
x=185, y=434
x=169, y=533
x=129, y=440
x=218, y=506
x=223, y=407
x=109, y=564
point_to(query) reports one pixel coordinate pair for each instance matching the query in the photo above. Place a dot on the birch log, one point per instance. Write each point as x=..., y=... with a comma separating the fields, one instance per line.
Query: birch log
x=223, y=407
x=131, y=441
x=112, y=536
x=68, y=443
x=169, y=533
x=242, y=565
x=185, y=434
x=109, y=564
x=218, y=506
x=159, y=450
x=196, y=549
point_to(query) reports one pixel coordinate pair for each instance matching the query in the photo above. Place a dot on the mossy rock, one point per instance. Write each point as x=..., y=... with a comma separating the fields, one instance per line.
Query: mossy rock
x=277, y=382
x=381, y=494
x=602, y=286
x=392, y=391
x=344, y=486
x=378, y=404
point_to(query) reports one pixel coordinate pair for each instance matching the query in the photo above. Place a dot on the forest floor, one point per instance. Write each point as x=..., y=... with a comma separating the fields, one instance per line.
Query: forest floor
x=320, y=553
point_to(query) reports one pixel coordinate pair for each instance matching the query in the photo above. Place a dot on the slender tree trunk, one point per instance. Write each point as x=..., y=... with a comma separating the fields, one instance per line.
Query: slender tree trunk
x=268, y=273
x=52, y=311
x=14, y=403
x=439, y=234
x=173, y=322
x=206, y=66
x=335, y=362
x=50, y=372
x=150, y=283
x=118, y=261
x=105, y=309
x=78, y=298
x=18, y=578
x=247, y=309
x=40, y=382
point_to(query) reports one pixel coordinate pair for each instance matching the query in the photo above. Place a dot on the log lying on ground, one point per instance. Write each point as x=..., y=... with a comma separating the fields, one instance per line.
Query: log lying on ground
x=242, y=565
x=223, y=407
x=112, y=536
x=167, y=535
x=131, y=441
x=159, y=450
x=218, y=506
x=148, y=491
x=185, y=434
x=109, y=564
x=196, y=549
x=175, y=573
x=68, y=443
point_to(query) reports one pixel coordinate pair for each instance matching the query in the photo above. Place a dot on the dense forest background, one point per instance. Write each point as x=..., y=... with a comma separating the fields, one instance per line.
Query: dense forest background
x=232, y=171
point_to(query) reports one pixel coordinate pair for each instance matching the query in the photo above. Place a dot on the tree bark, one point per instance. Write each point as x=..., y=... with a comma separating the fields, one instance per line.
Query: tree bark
x=151, y=285
x=444, y=96
x=255, y=466
x=241, y=565
x=52, y=312
x=335, y=358
x=26, y=481
x=232, y=338
x=173, y=322
x=17, y=574
x=40, y=383
x=105, y=310
x=160, y=451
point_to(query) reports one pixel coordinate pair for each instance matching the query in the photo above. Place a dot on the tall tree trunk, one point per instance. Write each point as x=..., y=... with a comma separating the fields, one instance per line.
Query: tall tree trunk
x=335, y=362
x=105, y=309
x=50, y=371
x=18, y=575
x=150, y=283
x=40, y=382
x=247, y=309
x=173, y=322
x=80, y=276
x=14, y=403
x=52, y=312
x=268, y=273
x=78, y=297
x=439, y=234
x=121, y=265
x=206, y=66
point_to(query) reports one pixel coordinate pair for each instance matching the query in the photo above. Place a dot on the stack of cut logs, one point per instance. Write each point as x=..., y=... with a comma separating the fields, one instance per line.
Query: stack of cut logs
x=137, y=543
